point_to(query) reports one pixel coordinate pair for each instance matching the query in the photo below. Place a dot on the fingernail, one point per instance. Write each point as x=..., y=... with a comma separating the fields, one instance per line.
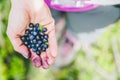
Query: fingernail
x=26, y=56
x=36, y=62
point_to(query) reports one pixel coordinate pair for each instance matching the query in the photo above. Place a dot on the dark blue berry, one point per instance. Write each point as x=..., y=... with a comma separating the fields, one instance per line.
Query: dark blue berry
x=32, y=45
x=27, y=38
x=42, y=45
x=31, y=32
x=37, y=37
x=23, y=38
x=41, y=33
x=44, y=40
x=38, y=52
x=37, y=25
x=34, y=33
x=37, y=45
x=26, y=43
x=43, y=49
x=39, y=48
x=27, y=31
x=31, y=25
x=29, y=46
x=31, y=37
x=39, y=42
x=31, y=41
x=46, y=36
x=34, y=49
x=45, y=46
x=41, y=37
x=34, y=29
x=44, y=29
x=34, y=41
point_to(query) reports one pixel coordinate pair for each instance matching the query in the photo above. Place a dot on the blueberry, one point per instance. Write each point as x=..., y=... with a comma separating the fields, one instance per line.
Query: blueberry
x=44, y=40
x=31, y=25
x=41, y=33
x=41, y=37
x=27, y=31
x=26, y=43
x=46, y=36
x=23, y=38
x=42, y=45
x=31, y=41
x=34, y=41
x=37, y=45
x=34, y=49
x=38, y=52
x=34, y=29
x=27, y=38
x=37, y=29
x=37, y=37
x=43, y=49
x=39, y=48
x=31, y=31
x=37, y=25
x=31, y=37
x=34, y=33
x=45, y=46
x=44, y=29
x=32, y=45
x=29, y=46
x=39, y=42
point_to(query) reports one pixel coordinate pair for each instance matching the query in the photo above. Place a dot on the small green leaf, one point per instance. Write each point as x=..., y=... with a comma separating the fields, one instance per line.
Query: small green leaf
x=47, y=43
x=41, y=27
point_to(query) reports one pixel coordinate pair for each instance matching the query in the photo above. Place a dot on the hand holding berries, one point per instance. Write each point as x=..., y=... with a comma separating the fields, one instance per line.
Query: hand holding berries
x=17, y=24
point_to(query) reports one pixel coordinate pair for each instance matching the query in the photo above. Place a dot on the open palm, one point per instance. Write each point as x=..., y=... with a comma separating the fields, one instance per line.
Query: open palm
x=36, y=11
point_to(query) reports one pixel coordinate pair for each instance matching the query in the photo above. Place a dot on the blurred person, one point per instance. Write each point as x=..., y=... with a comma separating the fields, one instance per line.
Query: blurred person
x=85, y=21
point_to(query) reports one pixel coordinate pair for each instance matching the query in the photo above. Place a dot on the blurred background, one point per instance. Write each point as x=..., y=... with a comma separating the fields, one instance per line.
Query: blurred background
x=101, y=61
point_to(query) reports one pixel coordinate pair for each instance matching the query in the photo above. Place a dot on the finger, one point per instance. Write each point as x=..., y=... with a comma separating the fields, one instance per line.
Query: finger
x=52, y=43
x=35, y=59
x=50, y=59
x=44, y=60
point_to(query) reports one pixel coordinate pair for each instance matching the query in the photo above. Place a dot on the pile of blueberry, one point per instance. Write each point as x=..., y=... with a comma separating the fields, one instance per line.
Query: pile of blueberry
x=35, y=38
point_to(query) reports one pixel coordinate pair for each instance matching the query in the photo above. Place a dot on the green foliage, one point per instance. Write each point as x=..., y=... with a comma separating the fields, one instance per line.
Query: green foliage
x=3, y=70
x=17, y=69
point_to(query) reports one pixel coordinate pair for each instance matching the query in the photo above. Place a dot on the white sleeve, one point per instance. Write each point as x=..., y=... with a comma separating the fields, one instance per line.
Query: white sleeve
x=104, y=2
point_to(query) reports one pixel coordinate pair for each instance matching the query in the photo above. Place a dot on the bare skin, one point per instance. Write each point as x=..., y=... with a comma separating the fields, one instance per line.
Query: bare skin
x=36, y=11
